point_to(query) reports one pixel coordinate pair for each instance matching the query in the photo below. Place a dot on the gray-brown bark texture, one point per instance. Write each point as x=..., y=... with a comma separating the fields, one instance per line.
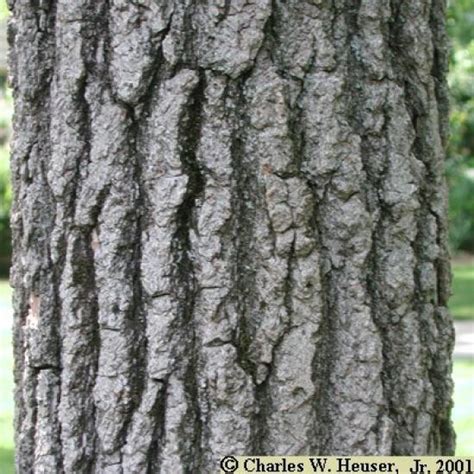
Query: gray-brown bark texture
x=229, y=231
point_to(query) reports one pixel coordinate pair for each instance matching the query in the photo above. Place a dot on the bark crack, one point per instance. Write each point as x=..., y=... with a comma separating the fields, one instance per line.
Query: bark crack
x=184, y=275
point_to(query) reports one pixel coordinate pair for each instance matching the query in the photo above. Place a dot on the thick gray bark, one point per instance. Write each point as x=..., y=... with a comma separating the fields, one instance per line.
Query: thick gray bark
x=229, y=231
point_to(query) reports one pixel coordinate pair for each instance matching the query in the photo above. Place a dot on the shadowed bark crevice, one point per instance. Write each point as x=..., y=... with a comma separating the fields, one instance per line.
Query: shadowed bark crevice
x=242, y=231
x=188, y=60
x=440, y=65
x=184, y=277
x=324, y=357
x=432, y=298
x=192, y=459
x=158, y=413
x=357, y=96
x=243, y=205
x=138, y=312
x=189, y=132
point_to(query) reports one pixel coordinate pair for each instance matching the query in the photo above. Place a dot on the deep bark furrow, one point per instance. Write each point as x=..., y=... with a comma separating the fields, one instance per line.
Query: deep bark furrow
x=230, y=232
x=76, y=241
x=217, y=248
x=431, y=298
x=185, y=280
x=416, y=107
x=366, y=93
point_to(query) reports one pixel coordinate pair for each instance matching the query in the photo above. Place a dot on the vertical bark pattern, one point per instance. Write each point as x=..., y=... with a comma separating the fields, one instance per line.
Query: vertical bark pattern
x=229, y=231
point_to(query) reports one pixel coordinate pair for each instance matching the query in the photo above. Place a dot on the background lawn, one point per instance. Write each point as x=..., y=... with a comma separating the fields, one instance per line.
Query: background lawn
x=463, y=414
x=462, y=301
x=6, y=381
x=462, y=307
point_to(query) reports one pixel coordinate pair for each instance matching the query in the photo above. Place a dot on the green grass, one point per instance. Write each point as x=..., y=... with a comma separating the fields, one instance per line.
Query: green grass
x=461, y=303
x=3, y=14
x=463, y=413
x=6, y=383
x=5, y=295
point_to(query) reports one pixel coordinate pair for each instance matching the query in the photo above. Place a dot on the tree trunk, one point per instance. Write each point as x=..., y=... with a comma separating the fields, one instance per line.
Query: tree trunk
x=229, y=231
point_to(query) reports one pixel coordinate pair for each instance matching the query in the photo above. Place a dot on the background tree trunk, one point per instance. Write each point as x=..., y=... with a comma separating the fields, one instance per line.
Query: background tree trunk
x=229, y=231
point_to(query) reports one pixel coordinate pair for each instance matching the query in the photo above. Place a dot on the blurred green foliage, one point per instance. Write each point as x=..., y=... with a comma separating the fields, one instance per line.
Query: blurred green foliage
x=461, y=21
x=460, y=165
x=5, y=187
x=3, y=9
x=5, y=191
